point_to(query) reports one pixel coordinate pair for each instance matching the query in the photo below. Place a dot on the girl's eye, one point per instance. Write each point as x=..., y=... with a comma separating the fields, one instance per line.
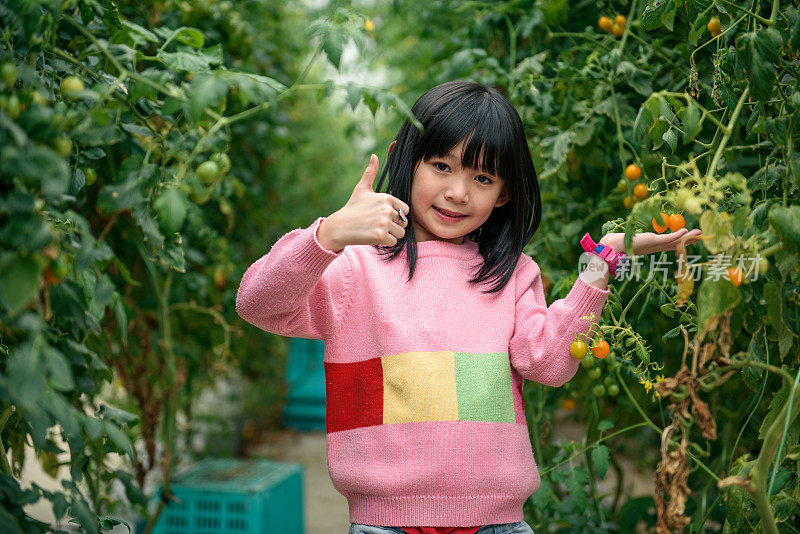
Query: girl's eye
x=440, y=163
x=488, y=180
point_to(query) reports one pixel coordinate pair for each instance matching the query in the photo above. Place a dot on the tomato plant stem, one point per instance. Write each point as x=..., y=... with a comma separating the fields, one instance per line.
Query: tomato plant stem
x=712, y=168
x=5, y=468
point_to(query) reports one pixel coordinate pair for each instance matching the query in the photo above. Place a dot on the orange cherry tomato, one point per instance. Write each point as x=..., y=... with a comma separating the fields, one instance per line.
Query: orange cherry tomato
x=714, y=26
x=568, y=404
x=617, y=30
x=601, y=349
x=640, y=191
x=633, y=172
x=659, y=228
x=628, y=203
x=676, y=222
x=605, y=23
x=620, y=20
x=735, y=275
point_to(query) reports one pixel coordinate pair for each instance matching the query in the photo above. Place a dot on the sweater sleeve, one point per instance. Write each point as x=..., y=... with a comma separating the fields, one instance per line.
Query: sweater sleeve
x=539, y=346
x=298, y=289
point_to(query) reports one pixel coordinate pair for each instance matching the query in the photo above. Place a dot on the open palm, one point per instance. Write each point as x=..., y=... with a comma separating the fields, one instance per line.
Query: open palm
x=649, y=242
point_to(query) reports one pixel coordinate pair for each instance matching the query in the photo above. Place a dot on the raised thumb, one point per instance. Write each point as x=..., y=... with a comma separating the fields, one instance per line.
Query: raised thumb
x=368, y=178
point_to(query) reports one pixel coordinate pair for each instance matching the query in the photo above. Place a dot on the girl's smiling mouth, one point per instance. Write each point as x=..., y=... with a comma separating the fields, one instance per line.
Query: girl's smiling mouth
x=448, y=215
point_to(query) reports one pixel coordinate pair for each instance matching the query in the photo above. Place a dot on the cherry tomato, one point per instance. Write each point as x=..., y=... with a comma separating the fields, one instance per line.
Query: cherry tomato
x=763, y=266
x=620, y=20
x=62, y=145
x=633, y=172
x=595, y=373
x=622, y=186
x=714, y=26
x=640, y=191
x=613, y=390
x=568, y=404
x=587, y=363
x=617, y=30
x=659, y=228
x=676, y=222
x=628, y=203
x=604, y=23
x=578, y=350
x=71, y=84
x=601, y=349
x=208, y=171
x=8, y=73
x=735, y=275
x=599, y=390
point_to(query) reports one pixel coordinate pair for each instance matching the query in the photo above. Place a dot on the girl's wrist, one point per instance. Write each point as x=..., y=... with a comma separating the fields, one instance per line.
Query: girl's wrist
x=325, y=238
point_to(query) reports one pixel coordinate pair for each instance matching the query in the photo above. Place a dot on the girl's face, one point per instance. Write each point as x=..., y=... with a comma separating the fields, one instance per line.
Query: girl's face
x=441, y=184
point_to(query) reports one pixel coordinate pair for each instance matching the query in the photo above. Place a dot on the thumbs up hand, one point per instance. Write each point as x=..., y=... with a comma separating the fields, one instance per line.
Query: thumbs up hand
x=368, y=218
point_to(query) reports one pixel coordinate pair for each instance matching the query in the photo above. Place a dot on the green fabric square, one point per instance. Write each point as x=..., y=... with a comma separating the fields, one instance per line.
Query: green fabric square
x=483, y=387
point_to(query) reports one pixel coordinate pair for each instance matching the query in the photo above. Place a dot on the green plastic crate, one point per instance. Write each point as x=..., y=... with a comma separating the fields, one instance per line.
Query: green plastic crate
x=305, y=376
x=233, y=496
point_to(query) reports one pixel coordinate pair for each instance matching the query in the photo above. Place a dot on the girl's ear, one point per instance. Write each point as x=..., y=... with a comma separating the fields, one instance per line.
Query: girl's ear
x=503, y=198
x=391, y=146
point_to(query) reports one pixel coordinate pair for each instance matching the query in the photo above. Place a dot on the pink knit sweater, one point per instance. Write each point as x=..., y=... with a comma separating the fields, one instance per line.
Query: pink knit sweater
x=424, y=415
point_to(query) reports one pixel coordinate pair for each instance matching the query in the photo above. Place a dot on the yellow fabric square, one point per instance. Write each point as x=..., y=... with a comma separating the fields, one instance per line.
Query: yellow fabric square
x=419, y=386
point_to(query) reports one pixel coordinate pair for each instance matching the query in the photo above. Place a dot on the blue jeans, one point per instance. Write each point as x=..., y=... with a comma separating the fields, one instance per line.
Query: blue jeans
x=506, y=528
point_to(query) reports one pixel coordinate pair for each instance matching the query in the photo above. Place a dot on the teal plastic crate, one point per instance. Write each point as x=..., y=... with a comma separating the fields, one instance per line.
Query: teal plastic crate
x=233, y=496
x=305, y=376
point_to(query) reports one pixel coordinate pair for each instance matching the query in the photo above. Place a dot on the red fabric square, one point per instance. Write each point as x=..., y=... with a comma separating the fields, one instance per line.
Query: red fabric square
x=353, y=394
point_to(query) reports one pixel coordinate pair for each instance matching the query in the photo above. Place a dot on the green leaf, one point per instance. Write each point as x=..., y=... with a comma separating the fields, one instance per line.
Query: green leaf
x=604, y=425
x=206, y=91
x=577, y=491
x=119, y=438
x=600, y=459
x=185, y=61
x=144, y=32
x=671, y=139
x=757, y=350
x=714, y=298
x=19, y=281
x=8, y=524
x=59, y=369
x=190, y=36
x=668, y=309
x=759, y=51
x=654, y=13
x=672, y=333
x=786, y=223
x=38, y=165
x=691, y=122
x=777, y=403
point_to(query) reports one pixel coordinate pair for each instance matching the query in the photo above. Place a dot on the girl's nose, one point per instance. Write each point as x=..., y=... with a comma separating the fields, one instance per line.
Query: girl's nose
x=457, y=192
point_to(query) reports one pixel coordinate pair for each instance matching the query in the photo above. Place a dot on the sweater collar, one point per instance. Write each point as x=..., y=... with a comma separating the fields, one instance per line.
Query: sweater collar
x=437, y=247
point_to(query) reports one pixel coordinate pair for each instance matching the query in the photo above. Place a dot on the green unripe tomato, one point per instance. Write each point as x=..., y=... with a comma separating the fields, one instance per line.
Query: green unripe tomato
x=587, y=363
x=613, y=390
x=91, y=175
x=595, y=373
x=608, y=380
x=208, y=172
x=71, y=84
x=170, y=206
x=622, y=186
x=59, y=267
x=223, y=162
x=8, y=73
x=763, y=266
x=13, y=107
x=62, y=145
x=796, y=100
x=599, y=390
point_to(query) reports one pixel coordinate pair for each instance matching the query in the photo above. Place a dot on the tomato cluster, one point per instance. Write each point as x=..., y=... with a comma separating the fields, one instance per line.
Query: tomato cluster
x=616, y=27
x=600, y=351
x=640, y=191
x=674, y=222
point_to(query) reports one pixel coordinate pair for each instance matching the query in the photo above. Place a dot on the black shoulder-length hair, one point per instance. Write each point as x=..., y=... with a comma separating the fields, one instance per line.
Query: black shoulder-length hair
x=492, y=128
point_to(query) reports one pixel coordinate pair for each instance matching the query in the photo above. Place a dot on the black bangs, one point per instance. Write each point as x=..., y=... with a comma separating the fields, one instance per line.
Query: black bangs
x=477, y=119
x=494, y=143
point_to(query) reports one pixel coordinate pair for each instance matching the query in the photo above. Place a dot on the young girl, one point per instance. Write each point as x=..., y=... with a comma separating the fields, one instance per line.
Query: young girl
x=432, y=317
